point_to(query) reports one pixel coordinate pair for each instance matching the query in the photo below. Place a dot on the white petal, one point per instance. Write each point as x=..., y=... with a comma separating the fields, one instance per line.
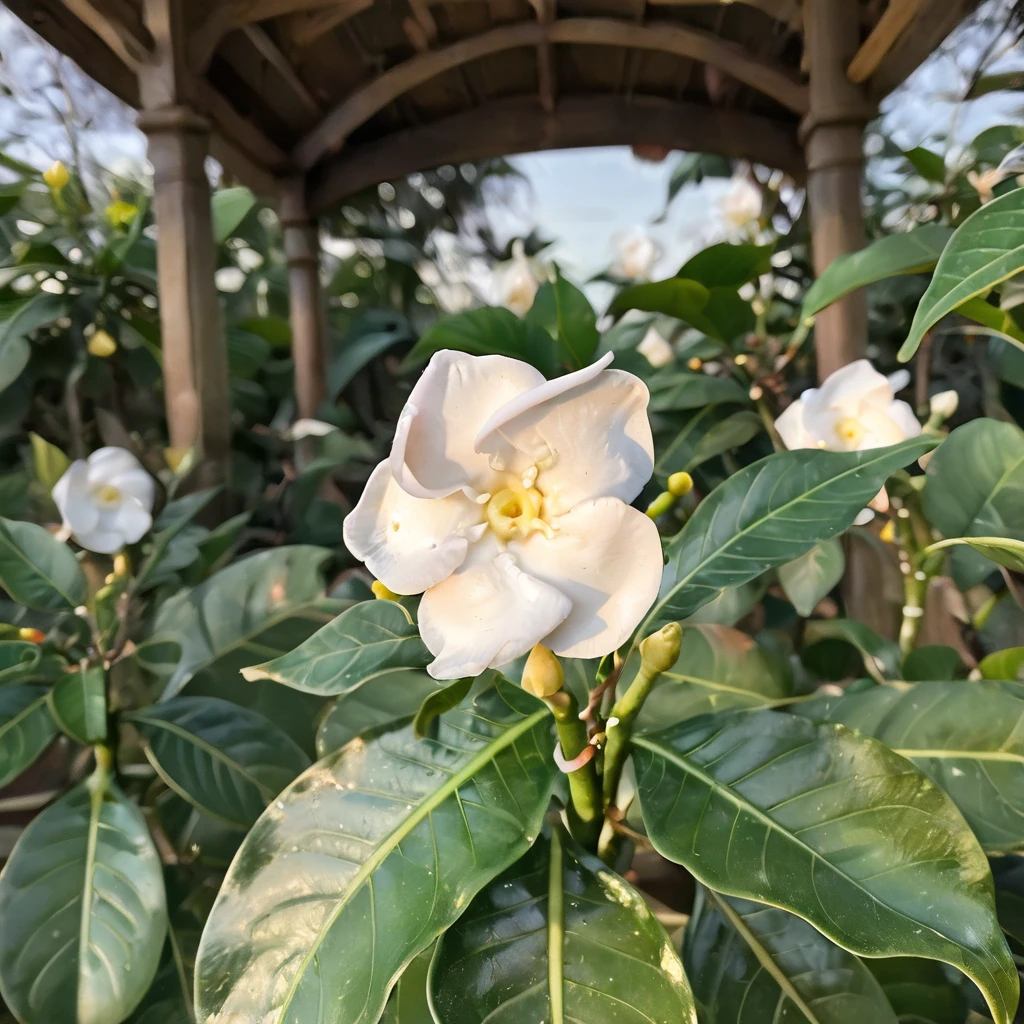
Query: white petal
x=132, y=520
x=606, y=557
x=791, y=428
x=100, y=540
x=106, y=463
x=137, y=484
x=898, y=380
x=72, y=497
x=864, y=516
x=592, y=441
x=852, y=384
x=409, y=543
x=882, y=429
x=486, y=614
x=905, y=418
x=433, y=455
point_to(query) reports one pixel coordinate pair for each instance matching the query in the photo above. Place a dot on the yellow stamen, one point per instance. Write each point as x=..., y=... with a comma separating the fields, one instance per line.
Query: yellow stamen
x=850, y=431
x=108, y=493
x=381, y=592
x=511, y=512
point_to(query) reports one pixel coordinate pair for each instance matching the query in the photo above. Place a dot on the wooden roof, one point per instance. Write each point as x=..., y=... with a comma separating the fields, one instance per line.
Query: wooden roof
x=351, y=92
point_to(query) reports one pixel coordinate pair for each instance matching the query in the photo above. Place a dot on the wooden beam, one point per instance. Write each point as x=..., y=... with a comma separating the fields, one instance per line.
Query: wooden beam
x=547, y=75
x=271, y=52
x=249, y=11
x=362, y=104
x=520, y=125
x=894, y=22
x=119, y=25
x=781, y=10
x=302, y=29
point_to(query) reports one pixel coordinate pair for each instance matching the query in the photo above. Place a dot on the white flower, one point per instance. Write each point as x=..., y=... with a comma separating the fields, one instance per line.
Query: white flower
x=518, y=281
x=943, y=405
x=505, y=500
x=741, y=204
x=636, y=256
x=107, y=501
x=656, y=350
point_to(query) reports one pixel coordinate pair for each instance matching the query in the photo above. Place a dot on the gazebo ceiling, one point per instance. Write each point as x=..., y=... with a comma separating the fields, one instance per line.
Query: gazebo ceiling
x=355, y=91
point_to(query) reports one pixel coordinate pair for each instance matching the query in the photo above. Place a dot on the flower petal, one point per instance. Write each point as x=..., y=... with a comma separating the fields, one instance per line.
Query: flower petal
x=131, y=519
x=905, y=418
x=72, y=497
x=100, y=540
x=791, y=428
x=850, y=385
x=487, y=613
x=106, y=463
x=433, y=455
x=137, y=484
x=606, y=557
x=409, y=543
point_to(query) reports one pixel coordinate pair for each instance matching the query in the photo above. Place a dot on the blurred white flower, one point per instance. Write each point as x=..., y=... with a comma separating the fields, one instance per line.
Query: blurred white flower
x=741, y=204
x=518, y=281
x=505, y=500
x=636, y=255
x=655, y=348
x=106, y=501
x=943, y=405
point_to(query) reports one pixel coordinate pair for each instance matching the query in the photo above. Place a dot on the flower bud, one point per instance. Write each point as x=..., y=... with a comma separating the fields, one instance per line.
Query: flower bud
x=101, y=345
x=382, y=593
x=543, y=675
x=943, y=405
x=35, y=636
x=56, y=176
x=661, y=650
x=661, y=504
x=680, y=485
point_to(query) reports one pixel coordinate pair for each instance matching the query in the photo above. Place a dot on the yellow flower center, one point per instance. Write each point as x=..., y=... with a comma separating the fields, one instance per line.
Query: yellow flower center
x=107, y=494
x=850, y=431
x=512, y=511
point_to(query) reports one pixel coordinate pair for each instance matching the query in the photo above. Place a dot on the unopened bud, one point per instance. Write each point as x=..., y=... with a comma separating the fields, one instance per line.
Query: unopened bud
x=943, y=405
x=121, y=566
x=382, y=593
x=101, y=345
x=543, y=675
x=661, y=504
x=56, y=176
x=888, y=533
x=680, y=485
x=34, y=636
x=660, y=650
x=695, y=363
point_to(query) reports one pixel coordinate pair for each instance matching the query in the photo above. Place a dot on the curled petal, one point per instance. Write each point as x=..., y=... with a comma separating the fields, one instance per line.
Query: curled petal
x=73, y=499
x=132, y=520
x=791, y=428
x=409, y=543
x=433, y=455
x=606, y=557
x=905, y=419
x=487, y=613
x=850, y=385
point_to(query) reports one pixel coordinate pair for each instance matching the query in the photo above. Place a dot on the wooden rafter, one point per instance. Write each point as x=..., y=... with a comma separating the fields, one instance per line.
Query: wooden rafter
x=362, y=104
x=895, y=20
x=519, y=125
x=273, y=55
x=119, y=25
x=547, y=77
x=306, y=27
x=249, y=11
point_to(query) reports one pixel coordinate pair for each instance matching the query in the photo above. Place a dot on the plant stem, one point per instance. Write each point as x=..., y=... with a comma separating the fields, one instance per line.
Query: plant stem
x=585, y=812
x=626, y=708
x=915, y=585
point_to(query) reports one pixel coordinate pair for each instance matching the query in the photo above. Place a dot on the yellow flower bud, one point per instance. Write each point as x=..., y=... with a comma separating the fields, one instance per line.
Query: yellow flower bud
x=382, y=593
x=35, y=636
x=695, y=363
x=661, y=650
x=543, y=675
x=101, y=345
x=888, y=533
x=661, y=504
x=680, y=485
x=120, y=214
x=56, y=176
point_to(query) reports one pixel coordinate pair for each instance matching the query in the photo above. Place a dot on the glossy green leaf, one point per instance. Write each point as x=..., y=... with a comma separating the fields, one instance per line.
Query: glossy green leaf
x=718, y=668
x=368, y=639
x=729, y=433
x=1008, y=875
x=26, y=729
x=750, y=964
x=832, y=826
x=768, y=514
x=228, y=208
x=173, y=520
x=562, y=310
x=933, y=661
x=49, y=463
x=983, y=312
x=968, y=737
x=929, y=165
x=882, y=658
x=920, y=991
x=674, y=453
x=18, y=324
x=18, y=660
x=676, y=297
x=680, y=390
x=408, y=1001
x=1005, y=664
x=84, y=912
x=367, y=857
x=1005, y=551
x=576, y=941
x=915, y=252
x=226, y=760
x=727, y=264
x=78, y=704
x=437, y=703
x=984, y=251
x=37, y=570
x=812, y=576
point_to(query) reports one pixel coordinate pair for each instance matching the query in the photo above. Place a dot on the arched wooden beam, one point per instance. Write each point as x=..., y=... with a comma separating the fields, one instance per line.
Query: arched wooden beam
x=692, y=44
x=520, y=125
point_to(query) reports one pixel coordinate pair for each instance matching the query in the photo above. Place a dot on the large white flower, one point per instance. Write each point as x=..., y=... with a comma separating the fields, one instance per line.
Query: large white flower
x=741, y=204
x=505, y=501
x=106, y=501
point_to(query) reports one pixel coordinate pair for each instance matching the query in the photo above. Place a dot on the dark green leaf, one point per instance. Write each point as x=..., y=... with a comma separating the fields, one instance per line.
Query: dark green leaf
x=1008, y=875
x=727, y=265
x=26, y=729
x=408, y=1001
x=78, y=704
x=19, y=659
x=680, y=390
x=368, y=857
x=882, y=657
x=929, y=165
x=833, y=827
x=37, y=570
x=812, y=576
x=562, y=310
x=173, y=520
x=919, y=990
x=17, y=324
x=367, y=337
x=933, y=661
x=732, y=432
x=437, y=703
x=676, y=297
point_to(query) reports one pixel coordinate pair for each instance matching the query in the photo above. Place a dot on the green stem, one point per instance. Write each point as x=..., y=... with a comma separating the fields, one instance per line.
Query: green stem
x=915, y=586
x=556, y=928
x=585, y=813
x=626, y=708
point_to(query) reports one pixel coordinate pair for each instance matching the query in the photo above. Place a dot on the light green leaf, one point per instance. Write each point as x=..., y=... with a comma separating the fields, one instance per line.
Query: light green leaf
x=1005, y=664
x=561, y=309
x=84, y=912
x=772, y=807
x=229, y=207
x=768, y=514
x=37, y=570
x=48, y=462
x=750, y=964
x=882, y=658
x=368, y=857
x=680, y=390
x=226, y=760
x=994, y=318
x=78, y=704
x=369, y=638
x=26, y=729
x=577, y=943
x=1005, y=551
x=812, y=576
x=915, y=252
x=987, y=249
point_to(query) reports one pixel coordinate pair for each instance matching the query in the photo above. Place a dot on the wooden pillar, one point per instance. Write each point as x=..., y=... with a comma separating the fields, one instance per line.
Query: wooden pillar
x=832, y=135
x=308, y=320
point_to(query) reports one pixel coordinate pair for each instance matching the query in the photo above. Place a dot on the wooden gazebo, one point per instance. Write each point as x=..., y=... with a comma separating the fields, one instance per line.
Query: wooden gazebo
x=311, y=100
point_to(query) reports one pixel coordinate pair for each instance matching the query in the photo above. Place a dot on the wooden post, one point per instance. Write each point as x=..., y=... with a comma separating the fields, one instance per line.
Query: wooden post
x=832, y=134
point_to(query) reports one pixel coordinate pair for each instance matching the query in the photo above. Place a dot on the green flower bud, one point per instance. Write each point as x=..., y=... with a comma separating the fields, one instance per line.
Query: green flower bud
x=543, y=675
x=661, y=650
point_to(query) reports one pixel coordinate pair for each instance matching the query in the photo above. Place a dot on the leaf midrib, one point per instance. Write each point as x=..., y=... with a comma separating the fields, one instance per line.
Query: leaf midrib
x=6, y=537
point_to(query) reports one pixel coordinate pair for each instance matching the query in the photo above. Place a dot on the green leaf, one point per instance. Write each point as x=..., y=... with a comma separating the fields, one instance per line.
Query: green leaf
x=975, y=488
x=229, y=207
x=1005, y=664
x=19, y=659
x=919, y=990
x=812, y=576
x=1008, y=875
x=226, y=760
x=408, y=1001
x=882, y=658
x=727, y=265
x=931, y=662
x=48, y=462
x=680, y=390
x=558, y=937
x=718, y=668
x=37, y=570
x=16, y=326
x=675, y=297
x=1004, y=551
x=368, y=857
x=437, y=703
x=732, y=432
x=914, y=252
x=674, y=454
x=987, y=249
x=26, y=729
x=392, y=695
x=995, y=319
x=173, y=520
x=750, y=964
x=562, y=310
x=768, y=514
x=84, y=912
x=929, y=165
x=965, y=736
x=776, y=808
x=78, y=704
x=490, y=330
x=368, y=639
x=366, y=338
